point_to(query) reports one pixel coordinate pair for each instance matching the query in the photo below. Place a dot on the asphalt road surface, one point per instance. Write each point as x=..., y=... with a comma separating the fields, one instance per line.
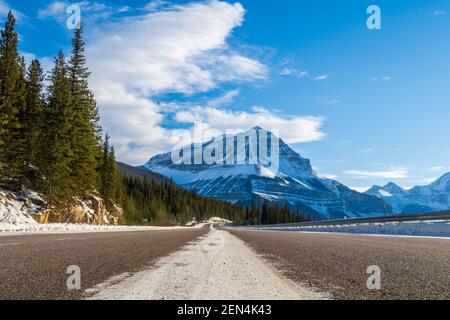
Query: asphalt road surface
x=411, y=268
x=35, y=266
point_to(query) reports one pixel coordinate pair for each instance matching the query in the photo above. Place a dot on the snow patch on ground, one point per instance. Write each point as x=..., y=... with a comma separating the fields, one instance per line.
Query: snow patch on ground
x=15, y=209
x=217, y=220
x=6, y=229
x=219, y=266
x=214, y=220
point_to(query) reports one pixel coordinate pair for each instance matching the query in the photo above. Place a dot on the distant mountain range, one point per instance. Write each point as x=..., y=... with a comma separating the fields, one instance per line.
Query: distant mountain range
x=423, y=199
x=293, y=182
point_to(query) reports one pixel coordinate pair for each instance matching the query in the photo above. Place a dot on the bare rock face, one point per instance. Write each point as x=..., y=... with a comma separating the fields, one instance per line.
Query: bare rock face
x=115, y=215
x=91, y=210
x=28, y=207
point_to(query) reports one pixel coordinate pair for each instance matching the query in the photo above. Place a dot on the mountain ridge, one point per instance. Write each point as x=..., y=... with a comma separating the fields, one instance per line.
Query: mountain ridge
x=291, y=181
x=433, y=197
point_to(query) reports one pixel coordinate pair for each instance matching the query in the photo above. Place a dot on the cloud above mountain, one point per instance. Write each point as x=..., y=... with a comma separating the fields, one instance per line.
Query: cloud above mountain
x=307, y=129
x=393, y=173
x=182, y=49
x=138, y=56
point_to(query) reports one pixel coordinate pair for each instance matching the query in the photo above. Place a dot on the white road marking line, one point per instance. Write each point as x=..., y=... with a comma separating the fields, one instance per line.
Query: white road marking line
x=64, y=239
x=9, y=244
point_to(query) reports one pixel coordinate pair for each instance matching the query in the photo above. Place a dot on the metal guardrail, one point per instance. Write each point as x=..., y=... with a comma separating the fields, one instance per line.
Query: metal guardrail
x=398, y=218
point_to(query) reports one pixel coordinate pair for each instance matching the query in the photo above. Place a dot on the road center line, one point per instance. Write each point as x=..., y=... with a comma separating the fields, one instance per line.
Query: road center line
x=9, y=244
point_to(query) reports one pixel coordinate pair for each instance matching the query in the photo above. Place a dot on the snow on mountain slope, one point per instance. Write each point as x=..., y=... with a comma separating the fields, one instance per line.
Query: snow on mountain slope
x=242, y=174
x=431, y=198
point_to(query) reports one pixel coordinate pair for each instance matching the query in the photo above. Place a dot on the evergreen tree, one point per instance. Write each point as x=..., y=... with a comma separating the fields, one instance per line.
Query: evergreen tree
x=34, y=113
x=58, y=154
x=85, y=142
x=168, y=204
x=109, y=174
x=12, y=107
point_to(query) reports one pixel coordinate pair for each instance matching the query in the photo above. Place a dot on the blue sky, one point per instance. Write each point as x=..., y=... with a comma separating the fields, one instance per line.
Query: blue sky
x=366, y=106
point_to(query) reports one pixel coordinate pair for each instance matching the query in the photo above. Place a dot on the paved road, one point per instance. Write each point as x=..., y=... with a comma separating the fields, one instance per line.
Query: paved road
x=218, y=266
x=411, y=268
x=34, y=266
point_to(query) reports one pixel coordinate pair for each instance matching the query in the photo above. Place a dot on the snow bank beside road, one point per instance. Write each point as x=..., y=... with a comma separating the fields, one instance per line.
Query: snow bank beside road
x=218, y=220
x=214, y=220
x=67, y=227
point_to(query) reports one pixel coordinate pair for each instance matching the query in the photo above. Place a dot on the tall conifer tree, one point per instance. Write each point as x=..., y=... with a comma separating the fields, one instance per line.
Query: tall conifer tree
x=85, y=142
x=12, y=107
x=34, y=113
x=110, y=177
x=59, y=183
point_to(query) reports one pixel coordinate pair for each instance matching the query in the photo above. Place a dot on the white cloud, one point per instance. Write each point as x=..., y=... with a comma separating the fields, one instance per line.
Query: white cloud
x=439, y=13
x=439, y=168
x=155, y=5
x=90, y=11
x=321, y=77
x=393, y=173
x=224, y=99
x=286, y=68
x=54, y=10
x=286, y=71
x=382, y=78
x=182, y=49
x=124, y=9
x=185, y=50
x=292, y=129
x=367, y=150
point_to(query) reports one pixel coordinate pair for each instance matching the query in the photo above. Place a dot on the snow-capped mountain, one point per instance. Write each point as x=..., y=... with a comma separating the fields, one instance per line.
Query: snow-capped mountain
x=288, y=178
x=431, y=198
x=388, y=191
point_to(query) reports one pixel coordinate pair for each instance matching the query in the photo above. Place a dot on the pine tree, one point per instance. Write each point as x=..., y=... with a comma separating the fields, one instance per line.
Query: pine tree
x=85, y=128
x=103, y=167
x=58, y=154
x=110, y=178
x=12, y=107
x=34, y=113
